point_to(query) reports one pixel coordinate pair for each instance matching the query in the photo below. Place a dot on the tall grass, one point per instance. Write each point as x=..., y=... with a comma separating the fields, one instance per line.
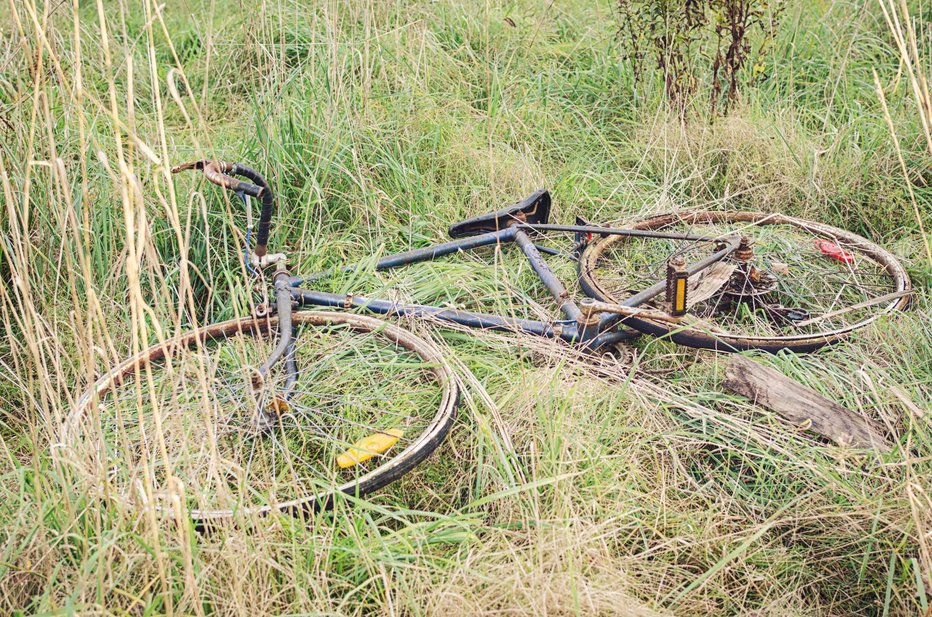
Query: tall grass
x=570, y=485
x=903, y=28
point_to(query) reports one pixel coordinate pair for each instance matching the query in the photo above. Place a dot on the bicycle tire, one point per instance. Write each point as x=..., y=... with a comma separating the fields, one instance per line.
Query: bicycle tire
x=83, y=449
x=596, y=285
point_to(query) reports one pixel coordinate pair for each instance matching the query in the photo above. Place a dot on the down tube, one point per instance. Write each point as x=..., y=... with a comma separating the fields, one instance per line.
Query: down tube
x=567, y=332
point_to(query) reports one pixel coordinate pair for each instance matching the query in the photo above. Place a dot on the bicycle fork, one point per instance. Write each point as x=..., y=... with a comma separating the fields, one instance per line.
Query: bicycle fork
x=283, y=349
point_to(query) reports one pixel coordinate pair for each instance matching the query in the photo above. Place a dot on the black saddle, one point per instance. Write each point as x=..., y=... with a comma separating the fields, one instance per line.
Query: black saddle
x=533, y=210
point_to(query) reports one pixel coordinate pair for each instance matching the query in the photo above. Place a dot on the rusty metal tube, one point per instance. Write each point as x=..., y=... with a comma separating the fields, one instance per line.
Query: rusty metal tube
x=222, y=174
x=615, y=231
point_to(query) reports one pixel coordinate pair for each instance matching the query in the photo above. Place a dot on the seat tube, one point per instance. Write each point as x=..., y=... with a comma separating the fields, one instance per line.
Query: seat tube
x=547, y=277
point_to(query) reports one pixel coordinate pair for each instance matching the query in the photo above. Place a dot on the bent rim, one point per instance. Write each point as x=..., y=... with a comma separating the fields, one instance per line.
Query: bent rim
x=381, y=476
x=691, y=336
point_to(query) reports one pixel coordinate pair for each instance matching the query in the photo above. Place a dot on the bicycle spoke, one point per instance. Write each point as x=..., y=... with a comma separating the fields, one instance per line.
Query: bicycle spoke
x=226, y=437
x=797, y=272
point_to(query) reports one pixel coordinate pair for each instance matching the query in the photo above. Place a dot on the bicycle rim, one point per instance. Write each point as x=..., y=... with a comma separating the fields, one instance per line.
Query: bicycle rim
x=807, y=273
x=187, y=422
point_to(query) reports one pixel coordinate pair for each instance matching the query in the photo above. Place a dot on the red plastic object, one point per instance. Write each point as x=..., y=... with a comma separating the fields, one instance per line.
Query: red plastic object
x=833, y=250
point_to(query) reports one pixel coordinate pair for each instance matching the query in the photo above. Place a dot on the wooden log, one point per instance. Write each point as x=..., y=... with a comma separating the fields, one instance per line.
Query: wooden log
x=800, y=405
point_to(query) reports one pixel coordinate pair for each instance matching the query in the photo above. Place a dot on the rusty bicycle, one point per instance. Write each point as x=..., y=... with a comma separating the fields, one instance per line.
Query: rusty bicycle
x=258, y=414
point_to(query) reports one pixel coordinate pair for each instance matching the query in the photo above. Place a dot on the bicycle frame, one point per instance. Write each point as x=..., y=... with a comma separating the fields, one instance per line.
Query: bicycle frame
x=588, y=323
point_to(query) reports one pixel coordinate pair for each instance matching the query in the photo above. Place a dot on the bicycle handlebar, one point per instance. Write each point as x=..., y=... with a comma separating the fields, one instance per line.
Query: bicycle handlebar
x=222, y=174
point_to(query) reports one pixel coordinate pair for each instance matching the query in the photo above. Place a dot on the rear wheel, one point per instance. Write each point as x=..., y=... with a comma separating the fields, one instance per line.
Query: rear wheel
x=188, y=422
x=805, y=285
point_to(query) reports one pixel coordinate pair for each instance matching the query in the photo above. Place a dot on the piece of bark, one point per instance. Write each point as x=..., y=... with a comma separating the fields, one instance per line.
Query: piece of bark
x=801, y=405
x=706, y=284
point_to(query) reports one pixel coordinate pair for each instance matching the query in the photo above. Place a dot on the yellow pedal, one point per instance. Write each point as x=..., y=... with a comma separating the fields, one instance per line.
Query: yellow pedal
x=369, y=446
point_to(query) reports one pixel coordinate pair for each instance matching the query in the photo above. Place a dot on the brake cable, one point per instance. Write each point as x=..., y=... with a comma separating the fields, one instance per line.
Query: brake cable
x=246, y=204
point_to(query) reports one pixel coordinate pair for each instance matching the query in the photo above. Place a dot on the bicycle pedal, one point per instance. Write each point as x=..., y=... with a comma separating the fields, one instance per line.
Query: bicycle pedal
x=369, y=447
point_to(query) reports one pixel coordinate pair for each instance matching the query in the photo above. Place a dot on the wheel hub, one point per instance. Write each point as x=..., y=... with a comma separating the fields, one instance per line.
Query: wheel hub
x=749, y=281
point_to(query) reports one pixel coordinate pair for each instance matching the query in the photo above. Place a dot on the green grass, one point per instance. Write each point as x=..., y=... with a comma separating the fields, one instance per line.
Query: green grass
x=570, y=485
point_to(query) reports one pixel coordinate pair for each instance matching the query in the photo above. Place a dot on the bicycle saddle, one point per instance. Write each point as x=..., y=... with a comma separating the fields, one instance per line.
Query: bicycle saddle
x=533, y=210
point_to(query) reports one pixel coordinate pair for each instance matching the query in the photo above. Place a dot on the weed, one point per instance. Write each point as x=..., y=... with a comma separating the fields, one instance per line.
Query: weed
x=679, y=36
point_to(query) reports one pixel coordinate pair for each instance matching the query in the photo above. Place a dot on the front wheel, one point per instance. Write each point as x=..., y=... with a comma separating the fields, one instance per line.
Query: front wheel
x=187, y=421
x=805, y=284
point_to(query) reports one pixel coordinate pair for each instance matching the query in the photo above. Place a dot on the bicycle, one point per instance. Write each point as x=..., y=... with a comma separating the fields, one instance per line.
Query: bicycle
x=291, y=433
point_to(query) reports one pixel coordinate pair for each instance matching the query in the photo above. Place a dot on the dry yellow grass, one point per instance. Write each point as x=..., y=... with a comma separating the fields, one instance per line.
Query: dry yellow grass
x=630, y=485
